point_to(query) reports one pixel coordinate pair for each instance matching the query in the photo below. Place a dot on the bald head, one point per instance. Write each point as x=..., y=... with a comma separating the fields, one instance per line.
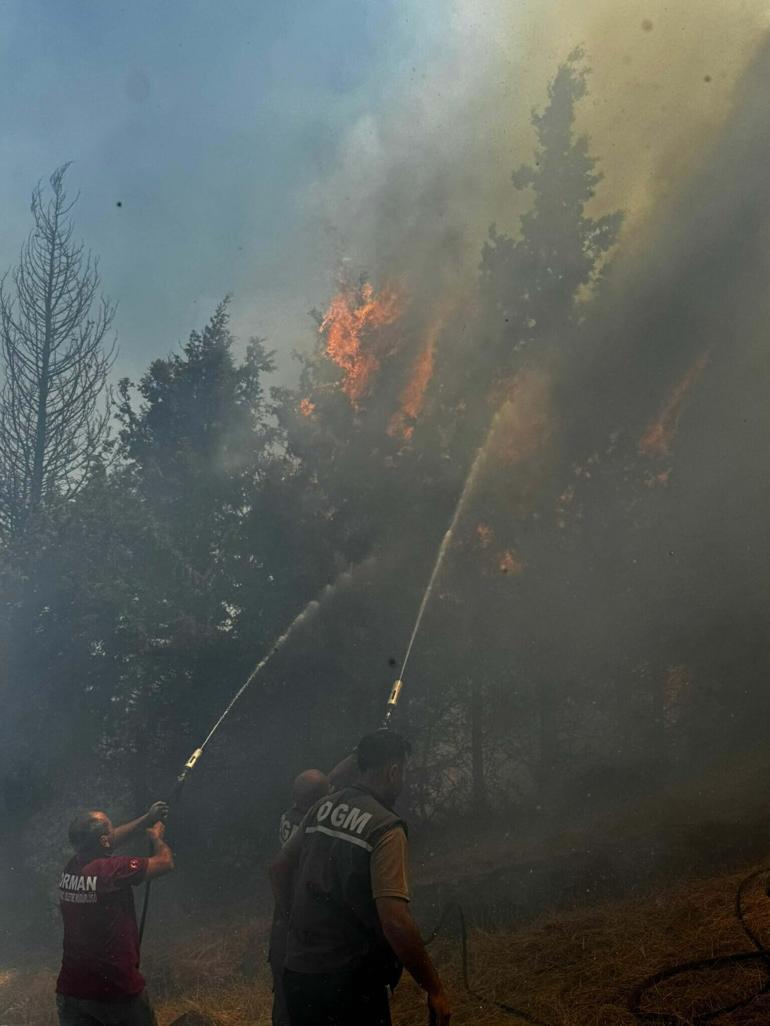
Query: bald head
x=90, y=831
x=310, y=787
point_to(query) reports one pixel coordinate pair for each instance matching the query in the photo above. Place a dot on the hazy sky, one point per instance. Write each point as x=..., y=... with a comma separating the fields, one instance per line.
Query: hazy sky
x=254, y=143
x=206, y=121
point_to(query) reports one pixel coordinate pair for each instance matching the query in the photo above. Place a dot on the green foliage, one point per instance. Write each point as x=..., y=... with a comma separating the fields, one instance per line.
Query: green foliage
x=132, y=612
x=533, y=281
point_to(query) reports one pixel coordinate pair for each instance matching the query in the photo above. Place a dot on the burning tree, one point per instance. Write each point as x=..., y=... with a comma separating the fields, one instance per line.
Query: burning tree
x=531, y=291
x=55, y=360
x=354, y=342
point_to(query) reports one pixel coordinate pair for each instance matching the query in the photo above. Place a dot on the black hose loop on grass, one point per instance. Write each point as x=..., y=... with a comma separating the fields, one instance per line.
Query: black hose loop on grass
x=517, y=1013
x=759, y=954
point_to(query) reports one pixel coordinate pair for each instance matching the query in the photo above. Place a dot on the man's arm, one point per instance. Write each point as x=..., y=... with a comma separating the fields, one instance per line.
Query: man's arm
x=404, y=938
x=157, y=811
x=344, y=773
x=282, y=872
x=162, y=860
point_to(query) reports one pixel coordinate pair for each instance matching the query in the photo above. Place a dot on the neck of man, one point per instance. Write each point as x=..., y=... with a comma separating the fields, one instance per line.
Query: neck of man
x=97, y=852
x=378, y=788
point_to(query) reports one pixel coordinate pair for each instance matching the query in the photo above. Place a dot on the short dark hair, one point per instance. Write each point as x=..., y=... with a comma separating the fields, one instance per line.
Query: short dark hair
x=381, y=748
x=85, y=830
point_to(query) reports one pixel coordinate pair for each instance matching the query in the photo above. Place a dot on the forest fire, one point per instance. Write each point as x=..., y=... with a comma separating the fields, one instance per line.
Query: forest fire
x=658, y=439
x=350, y=328
x=413, y=395
x=495, y=497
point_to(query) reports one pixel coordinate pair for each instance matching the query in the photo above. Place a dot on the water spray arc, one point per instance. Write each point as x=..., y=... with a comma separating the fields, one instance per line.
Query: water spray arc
x=470, y=483
x=307, y=613
x=312, y=607
x=302, y=617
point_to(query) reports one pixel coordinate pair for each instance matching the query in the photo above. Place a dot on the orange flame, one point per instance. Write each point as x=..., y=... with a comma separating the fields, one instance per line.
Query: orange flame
x=659, y=436
x=307, y=408
x=349, y=327
x=413, y=395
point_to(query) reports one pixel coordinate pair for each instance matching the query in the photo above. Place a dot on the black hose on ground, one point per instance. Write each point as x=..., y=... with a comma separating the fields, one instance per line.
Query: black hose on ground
x=760, y=954
x=465, y=955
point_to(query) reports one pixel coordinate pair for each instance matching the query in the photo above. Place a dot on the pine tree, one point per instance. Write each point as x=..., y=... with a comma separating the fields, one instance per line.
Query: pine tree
x=55, y=360
x=531, y=283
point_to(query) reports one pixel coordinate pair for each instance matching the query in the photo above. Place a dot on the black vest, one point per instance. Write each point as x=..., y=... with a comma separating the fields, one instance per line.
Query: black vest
x=290, y=822
x=276, y=951
x=334, y=926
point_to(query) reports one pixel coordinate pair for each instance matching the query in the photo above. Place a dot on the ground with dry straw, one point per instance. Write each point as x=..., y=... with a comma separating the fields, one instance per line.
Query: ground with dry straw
x=572, y=969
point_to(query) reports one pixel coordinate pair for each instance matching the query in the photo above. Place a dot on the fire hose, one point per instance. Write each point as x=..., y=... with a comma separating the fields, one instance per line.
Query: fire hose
x=759, y=954
x=397, y=688
x=174, y=797
x=192, y=762
x=642, y=1015
x=517, y=1013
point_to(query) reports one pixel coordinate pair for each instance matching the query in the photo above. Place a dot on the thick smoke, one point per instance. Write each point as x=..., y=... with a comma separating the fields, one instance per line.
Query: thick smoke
x=415, y=190
x=664, y=571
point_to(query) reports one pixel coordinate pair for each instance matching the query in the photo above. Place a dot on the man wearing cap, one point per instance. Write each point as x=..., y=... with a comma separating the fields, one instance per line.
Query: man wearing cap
x=341, y=882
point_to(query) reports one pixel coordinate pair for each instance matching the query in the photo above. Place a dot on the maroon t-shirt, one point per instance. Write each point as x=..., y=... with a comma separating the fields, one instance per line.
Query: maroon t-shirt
x=100, y=960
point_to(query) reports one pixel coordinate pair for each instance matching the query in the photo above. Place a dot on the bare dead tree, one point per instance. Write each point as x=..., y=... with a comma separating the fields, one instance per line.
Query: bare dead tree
x=55, y=356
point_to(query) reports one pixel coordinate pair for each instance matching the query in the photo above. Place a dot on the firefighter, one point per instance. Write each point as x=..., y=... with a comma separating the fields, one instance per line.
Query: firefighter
x=309, y=787
x=341, y=883
x=99, y=983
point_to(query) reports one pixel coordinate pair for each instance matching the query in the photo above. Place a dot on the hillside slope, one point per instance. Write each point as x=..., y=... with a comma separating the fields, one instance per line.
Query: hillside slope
x=577, y=968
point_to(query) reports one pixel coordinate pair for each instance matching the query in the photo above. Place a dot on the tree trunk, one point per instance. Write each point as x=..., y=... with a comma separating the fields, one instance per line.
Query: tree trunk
x=41, y=427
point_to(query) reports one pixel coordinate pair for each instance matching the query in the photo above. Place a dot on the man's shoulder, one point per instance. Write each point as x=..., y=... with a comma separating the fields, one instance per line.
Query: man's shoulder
x=78, y=865
x=359, y=795
x=105, y=865
x=352, y=810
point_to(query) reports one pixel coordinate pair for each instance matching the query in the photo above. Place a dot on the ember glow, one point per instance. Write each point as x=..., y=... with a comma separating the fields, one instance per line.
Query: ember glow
x=657, y=441
x=354, y=340
x=307, y=408
x=511, y=563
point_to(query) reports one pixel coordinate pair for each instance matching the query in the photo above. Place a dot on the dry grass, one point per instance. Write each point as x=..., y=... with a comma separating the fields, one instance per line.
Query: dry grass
x=571, y=969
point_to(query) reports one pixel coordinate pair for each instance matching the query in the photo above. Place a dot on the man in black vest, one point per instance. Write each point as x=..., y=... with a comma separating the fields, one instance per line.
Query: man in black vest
x=342, y=882
x=309, y=787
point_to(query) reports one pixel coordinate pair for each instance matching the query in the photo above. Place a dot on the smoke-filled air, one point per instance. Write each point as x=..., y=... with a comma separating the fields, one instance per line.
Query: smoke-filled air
x=384, y=505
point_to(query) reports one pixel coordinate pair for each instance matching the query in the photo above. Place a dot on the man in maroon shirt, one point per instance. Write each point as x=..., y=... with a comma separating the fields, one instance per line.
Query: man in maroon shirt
x=99, y=983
